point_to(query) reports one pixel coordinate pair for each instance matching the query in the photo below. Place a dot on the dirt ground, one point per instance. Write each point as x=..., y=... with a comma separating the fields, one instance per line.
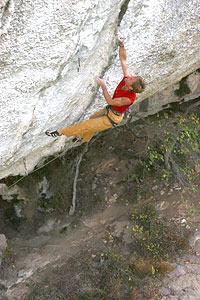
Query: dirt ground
x=109, y=248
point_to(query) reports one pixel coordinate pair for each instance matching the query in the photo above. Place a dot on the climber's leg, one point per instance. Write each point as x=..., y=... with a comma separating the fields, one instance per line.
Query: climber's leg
x=86, y=129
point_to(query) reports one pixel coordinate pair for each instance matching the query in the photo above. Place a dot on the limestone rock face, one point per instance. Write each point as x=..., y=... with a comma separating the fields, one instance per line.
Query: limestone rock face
x=50, y=52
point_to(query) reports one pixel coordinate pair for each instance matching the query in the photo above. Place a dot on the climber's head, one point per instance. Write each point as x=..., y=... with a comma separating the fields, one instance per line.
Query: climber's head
x=135, y=84
x=139, y=85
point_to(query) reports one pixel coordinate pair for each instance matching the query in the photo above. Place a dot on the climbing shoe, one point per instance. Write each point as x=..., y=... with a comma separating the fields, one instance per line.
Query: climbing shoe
x=53, y=133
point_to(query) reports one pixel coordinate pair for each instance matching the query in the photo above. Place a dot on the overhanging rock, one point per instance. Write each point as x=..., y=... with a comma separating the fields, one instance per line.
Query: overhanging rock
x=50, y=52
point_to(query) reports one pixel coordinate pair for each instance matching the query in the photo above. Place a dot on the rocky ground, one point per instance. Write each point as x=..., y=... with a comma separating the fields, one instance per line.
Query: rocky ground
x=133, y=235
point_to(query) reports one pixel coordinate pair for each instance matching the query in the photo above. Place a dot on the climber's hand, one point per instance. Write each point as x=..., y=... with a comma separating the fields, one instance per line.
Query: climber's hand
x=120, y=37
x=101, y=82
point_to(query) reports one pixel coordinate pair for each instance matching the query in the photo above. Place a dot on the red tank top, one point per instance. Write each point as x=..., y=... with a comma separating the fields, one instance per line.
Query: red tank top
x=122, y=93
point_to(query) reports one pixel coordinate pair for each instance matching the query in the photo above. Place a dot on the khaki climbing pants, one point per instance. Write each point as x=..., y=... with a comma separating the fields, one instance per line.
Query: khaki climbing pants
x=97, y=122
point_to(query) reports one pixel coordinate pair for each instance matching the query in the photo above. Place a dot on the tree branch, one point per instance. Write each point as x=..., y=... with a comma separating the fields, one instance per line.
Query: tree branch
x=73, y=206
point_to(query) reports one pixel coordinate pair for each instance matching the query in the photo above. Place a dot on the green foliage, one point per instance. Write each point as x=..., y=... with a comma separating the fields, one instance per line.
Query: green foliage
x=148, y=232
x=8, y=257
x=118, y=267
x=175, y=149
x=153, y=239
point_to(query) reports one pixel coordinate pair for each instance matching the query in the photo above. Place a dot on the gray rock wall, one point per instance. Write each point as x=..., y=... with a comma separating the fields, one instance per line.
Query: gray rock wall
x=50, y=52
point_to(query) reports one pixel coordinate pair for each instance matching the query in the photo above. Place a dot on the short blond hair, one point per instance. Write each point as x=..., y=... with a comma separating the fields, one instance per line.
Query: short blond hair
x=139, y=85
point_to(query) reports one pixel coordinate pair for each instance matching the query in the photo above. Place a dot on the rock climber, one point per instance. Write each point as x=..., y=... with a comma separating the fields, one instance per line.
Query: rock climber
x=113, y=113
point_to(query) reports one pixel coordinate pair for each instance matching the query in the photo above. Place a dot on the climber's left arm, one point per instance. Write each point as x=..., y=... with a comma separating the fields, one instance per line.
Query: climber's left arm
x=116, y=101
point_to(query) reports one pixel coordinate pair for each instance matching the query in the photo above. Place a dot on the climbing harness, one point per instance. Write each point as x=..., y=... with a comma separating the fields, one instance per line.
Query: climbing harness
x=127, y=114
x=115, y=112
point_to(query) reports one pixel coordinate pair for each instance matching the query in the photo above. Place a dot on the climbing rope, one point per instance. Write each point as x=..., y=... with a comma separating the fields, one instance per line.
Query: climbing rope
x=13, y=184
